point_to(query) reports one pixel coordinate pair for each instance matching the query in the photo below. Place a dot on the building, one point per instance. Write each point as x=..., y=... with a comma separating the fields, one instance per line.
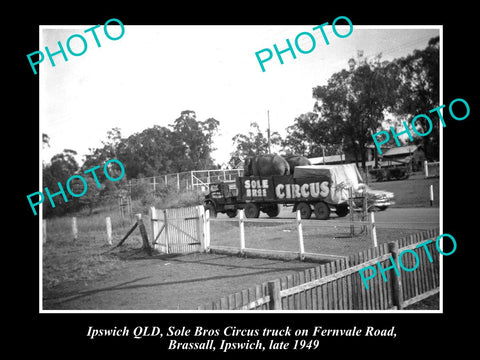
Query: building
x=411, y=155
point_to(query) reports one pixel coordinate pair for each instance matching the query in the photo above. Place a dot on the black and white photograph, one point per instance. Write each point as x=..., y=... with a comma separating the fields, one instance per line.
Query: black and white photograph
x=220, y=188
x=237, y=190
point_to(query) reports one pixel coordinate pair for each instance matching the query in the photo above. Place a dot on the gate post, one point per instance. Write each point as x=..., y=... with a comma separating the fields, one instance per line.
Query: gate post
x=165, y=215
x=143, y=232
x=154, y=225
x=207, y=229
x=201, y=228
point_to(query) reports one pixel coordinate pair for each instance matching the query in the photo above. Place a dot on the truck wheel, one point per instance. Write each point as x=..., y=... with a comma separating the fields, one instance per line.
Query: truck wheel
x=231, y=213
x=305, y=210
x=322, y=211
x=342, y=210
x=252, y=210
x=211, y=208
x=273, y=210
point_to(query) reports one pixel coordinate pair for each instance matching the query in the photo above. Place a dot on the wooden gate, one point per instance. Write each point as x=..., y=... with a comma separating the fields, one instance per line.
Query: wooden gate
x=177, y=231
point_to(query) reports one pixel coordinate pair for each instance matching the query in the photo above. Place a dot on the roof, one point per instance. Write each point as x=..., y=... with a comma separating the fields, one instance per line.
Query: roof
x=401, y=150
x=328, y=159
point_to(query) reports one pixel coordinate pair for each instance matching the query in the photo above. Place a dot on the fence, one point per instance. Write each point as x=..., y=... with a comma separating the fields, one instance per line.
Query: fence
x=188, y=180
x=301, y=254
x=338, y=286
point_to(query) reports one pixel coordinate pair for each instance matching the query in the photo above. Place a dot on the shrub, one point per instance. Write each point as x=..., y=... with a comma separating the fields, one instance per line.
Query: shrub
x=379, y=174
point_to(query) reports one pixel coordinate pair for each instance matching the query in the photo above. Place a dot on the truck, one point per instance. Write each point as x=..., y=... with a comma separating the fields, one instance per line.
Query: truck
x=312, y=189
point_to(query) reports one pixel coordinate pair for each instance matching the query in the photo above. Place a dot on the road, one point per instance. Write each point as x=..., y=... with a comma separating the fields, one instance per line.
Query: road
x=413, y=218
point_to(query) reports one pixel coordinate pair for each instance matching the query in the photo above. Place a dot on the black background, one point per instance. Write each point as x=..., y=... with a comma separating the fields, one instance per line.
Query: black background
x=64, y=335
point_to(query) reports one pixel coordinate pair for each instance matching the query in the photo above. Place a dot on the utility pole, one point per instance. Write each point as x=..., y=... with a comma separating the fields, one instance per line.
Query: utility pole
x=268, y=131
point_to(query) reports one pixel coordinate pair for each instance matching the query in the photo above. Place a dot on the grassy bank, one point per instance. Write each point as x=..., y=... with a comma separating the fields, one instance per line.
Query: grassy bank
x=411, y=192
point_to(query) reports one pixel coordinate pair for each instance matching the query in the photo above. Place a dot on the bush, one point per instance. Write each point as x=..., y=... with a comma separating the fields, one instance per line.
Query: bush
x=398, y=173
x=379, y=174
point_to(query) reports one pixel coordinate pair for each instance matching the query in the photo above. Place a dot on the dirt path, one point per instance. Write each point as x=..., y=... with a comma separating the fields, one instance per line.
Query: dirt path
x=170, y=283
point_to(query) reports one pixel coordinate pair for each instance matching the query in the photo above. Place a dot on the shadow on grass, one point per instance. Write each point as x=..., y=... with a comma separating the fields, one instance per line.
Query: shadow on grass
x=52, y=302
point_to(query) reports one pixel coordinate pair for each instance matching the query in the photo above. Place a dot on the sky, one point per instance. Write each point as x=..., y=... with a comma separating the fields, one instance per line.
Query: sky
x=152, y=73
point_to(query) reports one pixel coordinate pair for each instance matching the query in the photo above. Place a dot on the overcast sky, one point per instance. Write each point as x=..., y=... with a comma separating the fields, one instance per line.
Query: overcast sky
x=152, y=73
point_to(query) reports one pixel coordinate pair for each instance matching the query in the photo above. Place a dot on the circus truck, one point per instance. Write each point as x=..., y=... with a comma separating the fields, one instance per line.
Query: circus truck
x=311, y=189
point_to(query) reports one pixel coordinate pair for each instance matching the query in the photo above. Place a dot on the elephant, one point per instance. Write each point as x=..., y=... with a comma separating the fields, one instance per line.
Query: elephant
x=266, y=165
x=296, y=160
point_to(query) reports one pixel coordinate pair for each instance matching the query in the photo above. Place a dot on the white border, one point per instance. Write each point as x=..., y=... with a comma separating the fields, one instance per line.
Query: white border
x=248, y=312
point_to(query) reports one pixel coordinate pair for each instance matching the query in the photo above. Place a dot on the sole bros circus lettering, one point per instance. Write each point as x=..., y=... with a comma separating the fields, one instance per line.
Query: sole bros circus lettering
x=260, y=187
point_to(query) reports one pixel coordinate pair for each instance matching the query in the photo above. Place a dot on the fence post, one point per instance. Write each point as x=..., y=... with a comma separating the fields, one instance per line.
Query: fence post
x=44, y=230
x=350, y=205
x=397, y=282
x=178, y=181
x=364, y=212
x=431, y=195
x=300, y=236
x=425, y=164
x=143, y=232
x=207, y=229
x=74, y=228
x=108, y=223
x=373, y=229
x=274, y=293
x=242, y=231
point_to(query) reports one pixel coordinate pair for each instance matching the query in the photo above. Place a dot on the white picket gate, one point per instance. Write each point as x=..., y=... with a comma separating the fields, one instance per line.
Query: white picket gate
x=178, y=231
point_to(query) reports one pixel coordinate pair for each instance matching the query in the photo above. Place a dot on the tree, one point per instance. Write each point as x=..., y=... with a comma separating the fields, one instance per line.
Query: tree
x=310, y=137
x=253, y=143
x=193, y=141
x=351, y=106
x=45, y=140
x=147, y=153
x=418, y=90
x=61, y=167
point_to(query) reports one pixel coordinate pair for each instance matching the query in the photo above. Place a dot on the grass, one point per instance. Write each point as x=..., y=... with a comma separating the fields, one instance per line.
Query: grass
x=85, y=260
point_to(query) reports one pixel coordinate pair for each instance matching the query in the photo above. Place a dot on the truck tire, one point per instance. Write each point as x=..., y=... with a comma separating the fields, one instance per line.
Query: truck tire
x=251, y=210
x=342, y=210
x=305, y=210
x=231, y=213
x=322, y=210
x=273, y=210
x=211, y=208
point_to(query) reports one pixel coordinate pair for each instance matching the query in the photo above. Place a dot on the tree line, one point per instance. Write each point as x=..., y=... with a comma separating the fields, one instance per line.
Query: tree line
x=356, y=103
x=185, y=145
x=347, y=110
